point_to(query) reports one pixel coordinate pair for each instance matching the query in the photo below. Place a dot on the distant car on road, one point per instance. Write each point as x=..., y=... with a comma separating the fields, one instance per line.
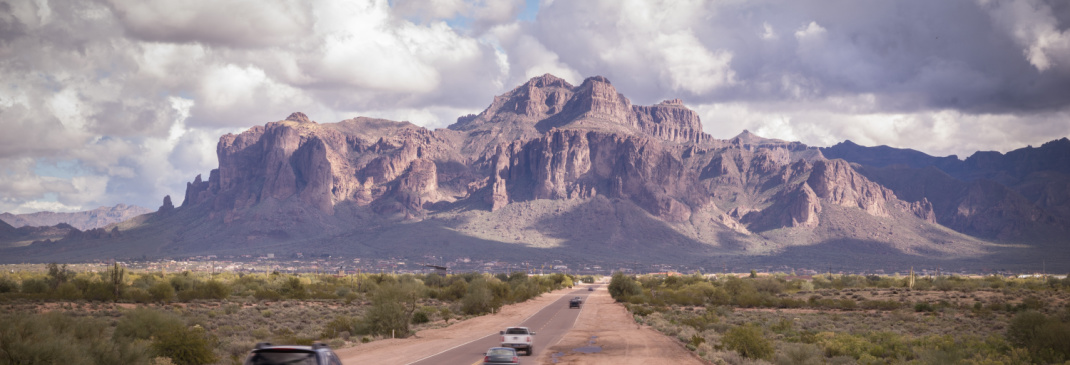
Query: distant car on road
x=575, y=302
x=519, y=338
x=268, y=354
x=590, y=288
x=501, y=355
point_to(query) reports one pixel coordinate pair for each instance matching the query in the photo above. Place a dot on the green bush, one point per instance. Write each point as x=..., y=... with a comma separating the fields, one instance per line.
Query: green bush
x=387, y=316
x=8, y=285
x=185, y=346
x=748, y=341
x=35, y=286
x=478, y=299
x=57, y=338
x=799, y=354
x=162, y=292
x=1045, y=337
x=621, y=287
x=339, y=325
x=420, y=317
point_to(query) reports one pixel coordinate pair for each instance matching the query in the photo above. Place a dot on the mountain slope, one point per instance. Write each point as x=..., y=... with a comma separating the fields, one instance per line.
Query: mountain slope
x=548, y=171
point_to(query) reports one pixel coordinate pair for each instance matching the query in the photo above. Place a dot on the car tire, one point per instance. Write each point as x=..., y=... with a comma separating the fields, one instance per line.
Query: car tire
x=531, y=350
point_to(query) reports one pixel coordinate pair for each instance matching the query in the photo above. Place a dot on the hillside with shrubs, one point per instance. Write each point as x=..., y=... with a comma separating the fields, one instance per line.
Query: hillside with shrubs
x=56, y=316
x=853, y=319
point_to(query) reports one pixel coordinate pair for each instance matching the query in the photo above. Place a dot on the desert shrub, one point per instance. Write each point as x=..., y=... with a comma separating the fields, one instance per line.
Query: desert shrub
x=137, y=295
x=886, y=305
x=387, y=315
x=57, y=338
x=1044, y=337
x=34, y=286
x=267, y=294
x=162, y=292
x=420, y=317
x=478, y=298
x=923, y=307
x=446, y=314
x=339, y=325
x=185, y=346
x=100, y=291
x=67, y=291
x=748, y=341
x=144, y=323
x=799, y=354
x=621, y=287
x=8, y=285
x=214, y=289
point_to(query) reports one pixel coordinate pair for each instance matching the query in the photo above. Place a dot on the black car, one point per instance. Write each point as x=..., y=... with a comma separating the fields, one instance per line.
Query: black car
x=575, y=302
x=501, y=355
x=590, y=288
x=268, y=354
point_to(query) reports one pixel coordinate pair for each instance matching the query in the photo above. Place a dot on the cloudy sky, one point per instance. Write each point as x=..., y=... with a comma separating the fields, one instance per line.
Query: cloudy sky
x=123, y=101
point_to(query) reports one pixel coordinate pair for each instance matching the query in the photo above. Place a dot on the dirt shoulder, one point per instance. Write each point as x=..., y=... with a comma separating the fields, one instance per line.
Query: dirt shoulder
x=607, y=325
x=432, y=341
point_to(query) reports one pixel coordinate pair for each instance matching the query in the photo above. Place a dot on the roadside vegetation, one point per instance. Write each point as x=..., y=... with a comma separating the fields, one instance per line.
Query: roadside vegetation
x=852, y=319
x=122, y=317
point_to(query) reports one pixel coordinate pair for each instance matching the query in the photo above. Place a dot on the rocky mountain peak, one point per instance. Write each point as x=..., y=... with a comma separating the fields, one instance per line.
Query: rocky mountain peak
x=299, y=117
x=547, y=80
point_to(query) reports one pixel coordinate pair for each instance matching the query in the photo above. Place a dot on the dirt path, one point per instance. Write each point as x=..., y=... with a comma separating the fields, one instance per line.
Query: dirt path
x=607, y=325
x=433, y=341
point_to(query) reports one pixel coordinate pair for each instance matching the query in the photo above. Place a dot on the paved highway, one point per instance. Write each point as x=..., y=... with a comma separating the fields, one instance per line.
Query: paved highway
x=550, y=324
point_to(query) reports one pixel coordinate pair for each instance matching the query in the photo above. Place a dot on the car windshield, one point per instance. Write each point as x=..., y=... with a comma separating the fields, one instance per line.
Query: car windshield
x=501, y=352
x=516, y=331
x=282, y=357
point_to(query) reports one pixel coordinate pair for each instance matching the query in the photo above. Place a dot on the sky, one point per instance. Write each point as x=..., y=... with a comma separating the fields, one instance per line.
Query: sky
x=123, y=101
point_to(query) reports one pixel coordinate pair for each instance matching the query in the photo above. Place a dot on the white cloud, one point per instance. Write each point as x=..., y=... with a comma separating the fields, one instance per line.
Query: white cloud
x=1034, y=28
x=225, y=22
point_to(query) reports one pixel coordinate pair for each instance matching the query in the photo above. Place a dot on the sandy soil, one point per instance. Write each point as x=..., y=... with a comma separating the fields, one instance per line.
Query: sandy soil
x=432, y=341
x=620, y=339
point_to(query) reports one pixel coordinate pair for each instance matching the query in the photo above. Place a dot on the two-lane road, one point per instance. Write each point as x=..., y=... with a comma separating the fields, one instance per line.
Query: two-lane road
x=550, y=324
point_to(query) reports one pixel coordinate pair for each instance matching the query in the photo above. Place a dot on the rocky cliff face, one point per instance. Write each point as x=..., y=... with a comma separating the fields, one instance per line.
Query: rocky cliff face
x=545, y=140
x=546, y=165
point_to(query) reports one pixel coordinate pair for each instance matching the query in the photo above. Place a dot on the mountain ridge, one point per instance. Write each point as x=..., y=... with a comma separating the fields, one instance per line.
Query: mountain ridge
x=548, y=170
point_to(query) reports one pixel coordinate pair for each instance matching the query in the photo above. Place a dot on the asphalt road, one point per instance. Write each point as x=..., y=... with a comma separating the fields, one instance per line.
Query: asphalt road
x=550, y=324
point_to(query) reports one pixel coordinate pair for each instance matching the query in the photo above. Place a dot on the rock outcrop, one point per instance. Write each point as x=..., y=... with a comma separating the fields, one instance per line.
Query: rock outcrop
x=546, y=164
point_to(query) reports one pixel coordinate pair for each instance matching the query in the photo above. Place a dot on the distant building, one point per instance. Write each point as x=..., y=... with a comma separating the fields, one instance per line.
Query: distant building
x=440, y=270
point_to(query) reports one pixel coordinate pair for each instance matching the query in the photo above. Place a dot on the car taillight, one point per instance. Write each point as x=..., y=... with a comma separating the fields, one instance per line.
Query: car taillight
x=529, y=338
x=486, y=358
x=516, y=359
x=503, y=338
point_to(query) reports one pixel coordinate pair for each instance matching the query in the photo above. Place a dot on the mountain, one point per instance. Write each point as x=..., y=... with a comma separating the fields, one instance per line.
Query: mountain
x=549, y=171
x=1020, y=196
x=22, y=236
x=85, y=220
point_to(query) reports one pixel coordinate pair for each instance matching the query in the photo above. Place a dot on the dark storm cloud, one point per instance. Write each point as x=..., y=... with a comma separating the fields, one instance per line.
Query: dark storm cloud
x=913, y=55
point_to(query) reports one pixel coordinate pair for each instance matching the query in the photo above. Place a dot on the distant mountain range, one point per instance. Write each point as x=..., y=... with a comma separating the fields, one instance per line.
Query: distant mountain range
x=554, y=171
x=85, y=220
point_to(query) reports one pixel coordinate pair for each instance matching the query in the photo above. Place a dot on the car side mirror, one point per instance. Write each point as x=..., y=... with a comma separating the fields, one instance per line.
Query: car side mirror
x=484, y=354
x=533, y=333
x=501, y=332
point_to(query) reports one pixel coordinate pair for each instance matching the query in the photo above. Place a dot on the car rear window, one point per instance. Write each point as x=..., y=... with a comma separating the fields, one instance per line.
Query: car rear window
x=516, y=331
x=282, y=357
x=500, y=352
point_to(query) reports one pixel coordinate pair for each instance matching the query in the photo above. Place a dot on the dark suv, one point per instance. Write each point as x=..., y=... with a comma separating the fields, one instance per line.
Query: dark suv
x=575, y=302
x=268, y=354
